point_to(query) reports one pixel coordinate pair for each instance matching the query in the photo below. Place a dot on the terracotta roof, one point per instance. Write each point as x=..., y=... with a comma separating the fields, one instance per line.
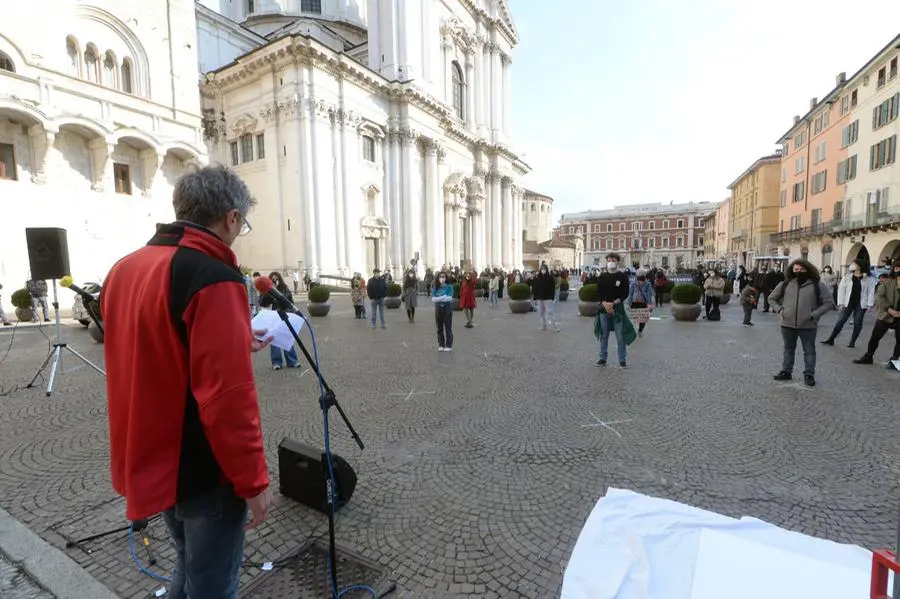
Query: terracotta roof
x=558, y=242
x=533, y=247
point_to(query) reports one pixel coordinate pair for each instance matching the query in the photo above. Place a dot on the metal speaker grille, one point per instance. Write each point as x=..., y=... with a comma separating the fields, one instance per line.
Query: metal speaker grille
x=305, y=576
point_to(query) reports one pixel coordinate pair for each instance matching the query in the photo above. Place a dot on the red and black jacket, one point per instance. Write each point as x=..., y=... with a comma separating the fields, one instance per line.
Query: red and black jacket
x=183, y=410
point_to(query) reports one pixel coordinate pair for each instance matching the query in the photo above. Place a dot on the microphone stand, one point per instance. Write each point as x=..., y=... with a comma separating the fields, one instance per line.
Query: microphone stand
x=327, y=400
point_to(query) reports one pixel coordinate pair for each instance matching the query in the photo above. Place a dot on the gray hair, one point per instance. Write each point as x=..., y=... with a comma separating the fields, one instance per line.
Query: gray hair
x=206, y=195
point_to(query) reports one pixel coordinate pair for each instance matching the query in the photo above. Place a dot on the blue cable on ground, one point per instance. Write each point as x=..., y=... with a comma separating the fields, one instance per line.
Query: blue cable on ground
x=139, y=564
x=335, y=593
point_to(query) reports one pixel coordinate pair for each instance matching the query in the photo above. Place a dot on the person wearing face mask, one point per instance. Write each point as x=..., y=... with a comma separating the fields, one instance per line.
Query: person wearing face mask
x=830, y=282
x=800, y=301
x=612, y=291
x=640, y=300
x=887, y=314
x=443, y=311
x=856, y=296
x=543, y=289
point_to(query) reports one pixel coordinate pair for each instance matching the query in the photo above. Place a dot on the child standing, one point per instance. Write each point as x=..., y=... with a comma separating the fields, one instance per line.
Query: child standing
x=494, y=288
x=748, y=302
x=443, y=312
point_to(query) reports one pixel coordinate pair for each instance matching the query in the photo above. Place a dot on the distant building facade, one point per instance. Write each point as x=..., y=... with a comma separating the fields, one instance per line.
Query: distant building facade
x=754, y=210
x=537, y=216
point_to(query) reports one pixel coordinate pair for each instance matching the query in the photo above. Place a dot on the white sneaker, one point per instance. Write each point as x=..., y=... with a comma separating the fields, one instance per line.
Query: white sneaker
x=276, y=367
x=442, y=349
x=448, y=349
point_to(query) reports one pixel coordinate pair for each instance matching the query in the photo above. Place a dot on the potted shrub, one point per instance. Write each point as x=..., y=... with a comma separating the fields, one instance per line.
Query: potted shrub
x=393, y=301
x=667, y=292
x=317, y=303
x=728, y=292
x=686, y=302
x=21, y=301
x=588, y=305
x=519, y=298
x=563, y=290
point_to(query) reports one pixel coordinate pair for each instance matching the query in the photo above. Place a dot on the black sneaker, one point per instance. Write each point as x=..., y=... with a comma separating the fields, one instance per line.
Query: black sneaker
x=784, y=375
x=828, y=342
x=748, y=324
x=623, y=365
x=601, y=362
x=851, y=346
x=810, y=380
x=866, y=359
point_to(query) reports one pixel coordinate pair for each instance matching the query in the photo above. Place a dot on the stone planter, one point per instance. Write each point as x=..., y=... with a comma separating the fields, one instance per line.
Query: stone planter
x=392, y=303
x=588, y=308
x=318, y=308
x=686, y=312
x=563, y=295
x=24, y=314
x=95, y=332
x=519, y=306
x=725, y=299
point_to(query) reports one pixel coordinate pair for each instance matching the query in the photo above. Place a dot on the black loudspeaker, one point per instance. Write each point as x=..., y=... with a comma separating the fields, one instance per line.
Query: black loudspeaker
x=48, y=253
x=302, y=474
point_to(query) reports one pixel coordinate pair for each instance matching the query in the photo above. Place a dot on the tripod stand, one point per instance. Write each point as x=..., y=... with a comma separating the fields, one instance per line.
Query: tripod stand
x=54, y=358
x=327, y=400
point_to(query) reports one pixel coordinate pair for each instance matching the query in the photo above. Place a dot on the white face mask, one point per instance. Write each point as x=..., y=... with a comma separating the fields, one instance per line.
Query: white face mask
x=853, y=268
x=442, y=280
x=612, y=265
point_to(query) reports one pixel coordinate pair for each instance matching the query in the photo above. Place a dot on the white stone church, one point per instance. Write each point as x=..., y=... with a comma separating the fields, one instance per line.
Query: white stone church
x=371, y=132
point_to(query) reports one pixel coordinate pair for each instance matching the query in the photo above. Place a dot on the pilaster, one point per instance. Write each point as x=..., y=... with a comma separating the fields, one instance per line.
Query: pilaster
x=151, y=168
x=41, y=142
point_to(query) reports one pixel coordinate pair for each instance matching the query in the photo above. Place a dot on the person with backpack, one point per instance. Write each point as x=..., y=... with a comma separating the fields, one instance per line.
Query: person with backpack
x=800, y=301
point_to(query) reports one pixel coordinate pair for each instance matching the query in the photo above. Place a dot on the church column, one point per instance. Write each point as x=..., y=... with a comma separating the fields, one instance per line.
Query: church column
x=517, y=230
x=429, y=241
x=507, y=66
x=353, y=252
x=309, y=188
x=102, y=163
x=507, y=222
x=488, y=222
x=394, y=259
x=323, y=193
x=496, y=86
x=448, y=228
x=480, y=233
x=41, y=142
x=479, y=81
x=470, y=91
x=336, y=119
x=446, y=47
x=412, y=209
x=497, y=221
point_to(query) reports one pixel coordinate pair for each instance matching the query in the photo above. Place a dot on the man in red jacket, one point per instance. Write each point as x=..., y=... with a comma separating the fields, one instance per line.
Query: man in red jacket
x=184, y=424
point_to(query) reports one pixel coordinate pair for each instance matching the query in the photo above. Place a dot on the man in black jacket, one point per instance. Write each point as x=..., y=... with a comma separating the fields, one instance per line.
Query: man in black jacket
x=612, y=290
x=543, y=290
x=376, y=288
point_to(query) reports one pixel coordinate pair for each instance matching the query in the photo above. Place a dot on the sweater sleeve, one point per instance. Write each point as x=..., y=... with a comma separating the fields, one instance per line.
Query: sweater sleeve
x=221, y=375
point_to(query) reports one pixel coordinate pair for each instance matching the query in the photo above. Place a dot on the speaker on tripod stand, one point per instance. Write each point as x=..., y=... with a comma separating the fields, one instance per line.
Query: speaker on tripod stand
x=48, y=258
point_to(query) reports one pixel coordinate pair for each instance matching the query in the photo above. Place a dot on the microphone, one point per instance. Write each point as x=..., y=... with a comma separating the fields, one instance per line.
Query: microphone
x=67, y=282
x=265, y=286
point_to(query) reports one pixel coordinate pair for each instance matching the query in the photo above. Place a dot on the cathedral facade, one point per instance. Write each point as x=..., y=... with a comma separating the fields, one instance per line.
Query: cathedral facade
x=99, y=116
x=372, y=133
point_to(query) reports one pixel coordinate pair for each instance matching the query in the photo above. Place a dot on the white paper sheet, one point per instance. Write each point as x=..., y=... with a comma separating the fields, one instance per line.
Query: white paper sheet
x=896, y=364
x=638, y=547
x=271, y=322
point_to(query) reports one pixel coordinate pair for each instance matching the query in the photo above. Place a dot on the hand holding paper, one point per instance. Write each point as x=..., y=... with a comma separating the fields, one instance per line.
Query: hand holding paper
x=270, y=322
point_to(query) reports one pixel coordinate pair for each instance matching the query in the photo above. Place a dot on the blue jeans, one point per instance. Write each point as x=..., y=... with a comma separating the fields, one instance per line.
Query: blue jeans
x=208, y=532
x=377, y=304
x=858, y=314
x=278, y=360
x=807, y=337
x=606, y=323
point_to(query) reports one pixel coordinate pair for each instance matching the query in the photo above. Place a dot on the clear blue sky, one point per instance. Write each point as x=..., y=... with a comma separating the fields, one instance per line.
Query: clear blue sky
x=670, y=100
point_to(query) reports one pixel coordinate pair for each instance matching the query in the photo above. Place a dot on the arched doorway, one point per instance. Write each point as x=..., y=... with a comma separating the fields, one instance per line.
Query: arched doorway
x=892, y=250
x=859, y=253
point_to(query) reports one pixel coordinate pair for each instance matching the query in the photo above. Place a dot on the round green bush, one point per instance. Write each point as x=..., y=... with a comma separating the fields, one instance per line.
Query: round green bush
x=588, y=293
x=564, y=285
x=319, y=294
x=394, y=290
x=669, y=287
x=21, y=299
x=519, y=291
x=686, y=294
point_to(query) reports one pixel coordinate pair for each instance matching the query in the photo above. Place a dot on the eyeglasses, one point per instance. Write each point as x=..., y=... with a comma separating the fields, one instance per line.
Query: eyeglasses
x=245, y=227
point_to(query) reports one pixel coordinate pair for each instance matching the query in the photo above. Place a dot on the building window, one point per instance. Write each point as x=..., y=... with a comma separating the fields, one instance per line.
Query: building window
x=122, y=175
x=815, y=217
x=621, y=226
x=679, y=224
x=6, y=63
x=313, y=6
x=850, y=134
x=799, y=165
x=8, y=162
x=246, y=148
x=799, y=192
x=846, y=170
x=652, y=225
x=893, y=71
x=783, y=198
x=72, y=52
x=883, y=153
x=609, y=228
x=235, y=159
x=784, y=148
x=126, y=79
x=652, y=242
x=845, y=105
x=260, y=146
x=109, y=69
x=854, y=98
x=819, y=153
x=368, y=145
x=596, y=228
x=459, y=90
x=838, y=211
x=795, y=222
x=800, y=140
x=665, y=224
x=885, y=112
x=636, y=226
x=91, y=64
x=251, y=6
x=882, y=77
x=534, y=209
x=819, y=180
x=698, y=222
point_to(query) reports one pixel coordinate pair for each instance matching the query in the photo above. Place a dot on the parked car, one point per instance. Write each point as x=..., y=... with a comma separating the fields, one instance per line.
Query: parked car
x=78, y=311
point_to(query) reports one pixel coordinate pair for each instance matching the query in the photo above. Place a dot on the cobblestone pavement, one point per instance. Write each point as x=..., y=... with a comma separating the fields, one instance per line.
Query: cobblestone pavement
x=478, y=483
x=15, y=584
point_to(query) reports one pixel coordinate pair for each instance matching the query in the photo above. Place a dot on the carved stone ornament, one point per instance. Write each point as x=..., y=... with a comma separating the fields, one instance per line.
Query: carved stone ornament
x=476, y=186
x=458, y=32
x=281, y=110
x=243, y=125
x=407, y=136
